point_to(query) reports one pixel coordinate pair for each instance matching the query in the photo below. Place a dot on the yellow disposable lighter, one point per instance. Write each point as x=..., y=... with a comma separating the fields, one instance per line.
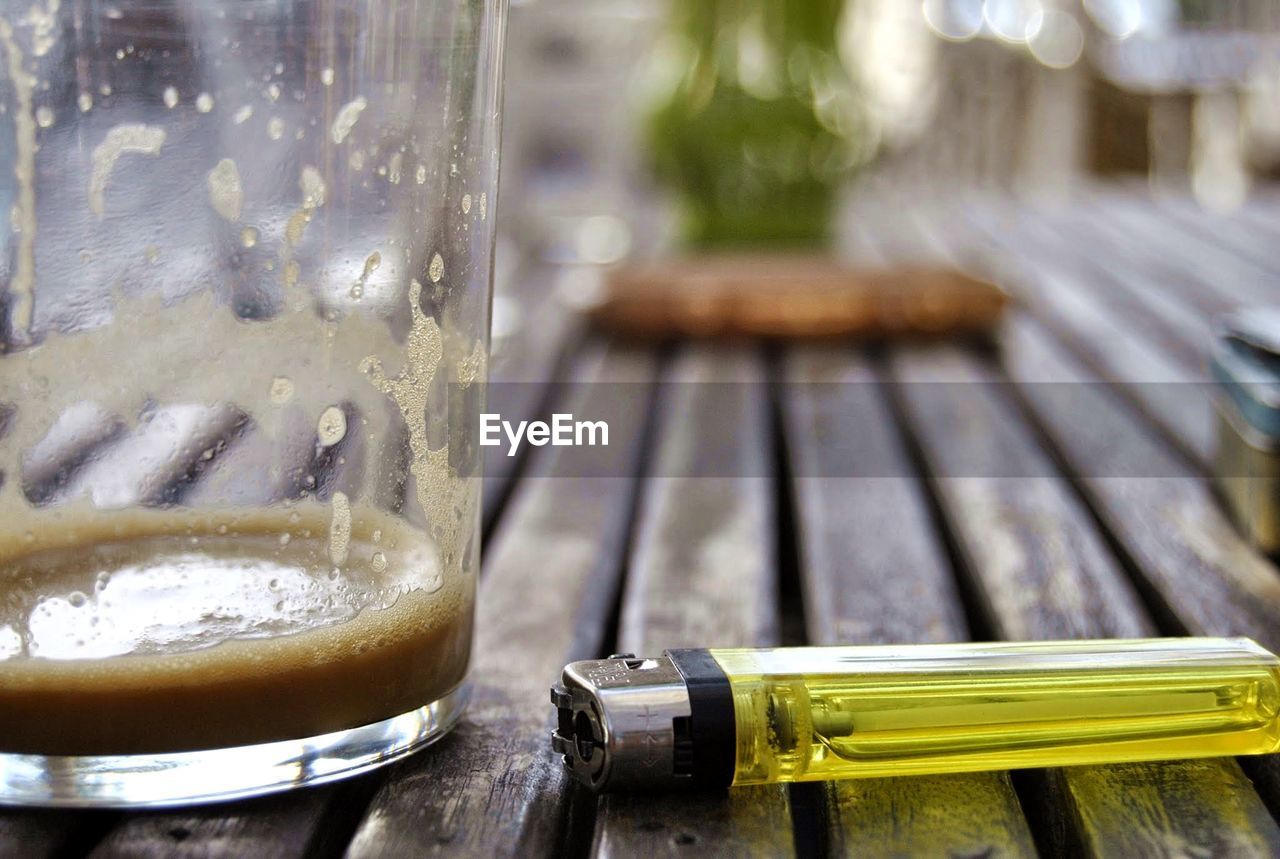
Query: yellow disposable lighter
x=752, y=716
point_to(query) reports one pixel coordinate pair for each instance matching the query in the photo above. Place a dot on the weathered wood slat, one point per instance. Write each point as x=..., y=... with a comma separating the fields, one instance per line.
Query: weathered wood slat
x=493, y=788
x=1119, y=280
x=971, y=426
x=1227, y=231
x=873, y=568
x=36, y=834
x=1042, y=570
x=874, y=571
x=1190, y=557
x=1196, y=567
x=1050, y=260
x=1219, y=271
x=1123, y=355
x=1044, y=573
x=1173, y=809
x=703, y=573
x=285, y=825
x=1151, y=261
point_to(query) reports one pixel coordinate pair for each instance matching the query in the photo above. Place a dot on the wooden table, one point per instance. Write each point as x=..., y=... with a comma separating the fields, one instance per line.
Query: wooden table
x=910, y=493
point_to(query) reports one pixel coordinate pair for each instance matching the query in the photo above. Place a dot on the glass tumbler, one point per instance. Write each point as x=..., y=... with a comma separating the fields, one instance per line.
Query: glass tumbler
x=244, y=291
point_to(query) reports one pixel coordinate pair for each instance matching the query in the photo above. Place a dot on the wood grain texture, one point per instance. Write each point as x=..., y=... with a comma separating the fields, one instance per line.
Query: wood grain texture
x=1231, y=264
x=873, y=568
x=1117, y=277
x=493, y=787
x=703, y=573
x=1210, y=282
x=1191, y=559
x=874, y=571
x=1044, y=572
x=36, y=834
x=286, y=825
x=1224, y=585
x=1175, y=809
x=1121, y=353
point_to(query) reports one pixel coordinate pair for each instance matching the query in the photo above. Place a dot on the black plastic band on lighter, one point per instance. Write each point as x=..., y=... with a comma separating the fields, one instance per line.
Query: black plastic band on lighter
x=706, y=746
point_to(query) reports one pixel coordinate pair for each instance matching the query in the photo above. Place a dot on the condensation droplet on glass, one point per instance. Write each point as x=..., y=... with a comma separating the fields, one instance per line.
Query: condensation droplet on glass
x=484, y=205
x=313, y=188
x=273, y=92
x=152, y=253
x=170, y=97
x=420, y=174
x=204, y=102
x=122, y=139
x=466, y=204
x=242, y=115
x=44, y=117
x=225, y=191
x=104, y=89
x=436, y=270
x=357, y=160
x=332, y=426
x=275, y=128
x=378, y=563
x=77, y=599
x=393, y=168
x=281, y=392
x=279, y=68
x=326, y=77
x=284, y=539
x=85, y=101
x=249, y=236
x=346, y=119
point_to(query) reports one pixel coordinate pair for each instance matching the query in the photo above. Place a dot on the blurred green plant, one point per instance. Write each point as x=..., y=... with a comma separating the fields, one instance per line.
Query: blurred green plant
x=757, y=124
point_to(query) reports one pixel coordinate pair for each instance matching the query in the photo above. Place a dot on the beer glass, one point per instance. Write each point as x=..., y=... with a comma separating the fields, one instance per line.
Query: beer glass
x=244, y=292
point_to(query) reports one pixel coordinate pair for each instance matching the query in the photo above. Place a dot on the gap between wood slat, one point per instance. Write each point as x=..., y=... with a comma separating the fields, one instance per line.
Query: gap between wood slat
x=875, y=575
x=1228, y=816
x=493, y=786
x=809, y=818
x=703, y=574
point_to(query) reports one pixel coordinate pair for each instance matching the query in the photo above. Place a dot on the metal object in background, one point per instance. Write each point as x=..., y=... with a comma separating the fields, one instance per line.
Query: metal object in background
x=1246, y=367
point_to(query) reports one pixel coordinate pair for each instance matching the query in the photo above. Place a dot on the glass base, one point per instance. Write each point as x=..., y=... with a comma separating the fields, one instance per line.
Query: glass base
x=189, y=778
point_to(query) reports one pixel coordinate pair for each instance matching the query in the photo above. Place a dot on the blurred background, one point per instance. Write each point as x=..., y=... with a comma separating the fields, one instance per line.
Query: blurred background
x=608, y=100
